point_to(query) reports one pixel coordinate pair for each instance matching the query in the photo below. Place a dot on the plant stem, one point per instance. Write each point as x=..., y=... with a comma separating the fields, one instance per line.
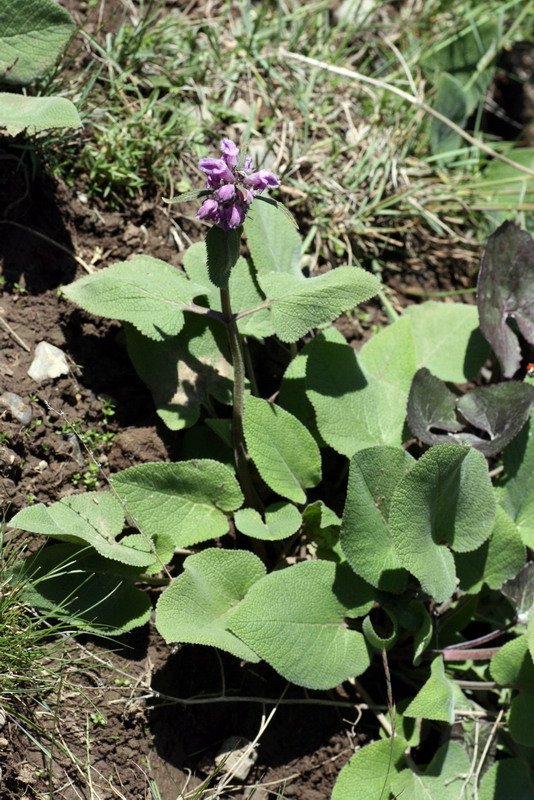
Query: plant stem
x=240, y=453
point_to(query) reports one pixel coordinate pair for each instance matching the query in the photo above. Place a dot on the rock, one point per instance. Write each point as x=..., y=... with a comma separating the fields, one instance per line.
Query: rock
x=48, y=362
x=17, y=407
x=232, y=758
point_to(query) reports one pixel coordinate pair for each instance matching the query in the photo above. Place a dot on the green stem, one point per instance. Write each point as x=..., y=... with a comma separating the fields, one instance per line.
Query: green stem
x=240, y=452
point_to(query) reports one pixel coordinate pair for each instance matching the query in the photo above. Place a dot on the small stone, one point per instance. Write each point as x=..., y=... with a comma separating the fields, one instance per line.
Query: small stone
x=232, y=758
x=3, y=742
x=17, y=407
x=49, y=362
x=2, y=718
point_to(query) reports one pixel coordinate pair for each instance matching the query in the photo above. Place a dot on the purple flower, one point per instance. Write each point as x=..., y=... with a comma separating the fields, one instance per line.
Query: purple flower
x=229, y=203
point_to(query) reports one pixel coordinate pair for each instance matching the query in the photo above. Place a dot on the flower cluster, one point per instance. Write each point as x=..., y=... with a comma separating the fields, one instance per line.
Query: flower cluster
x=233, y=188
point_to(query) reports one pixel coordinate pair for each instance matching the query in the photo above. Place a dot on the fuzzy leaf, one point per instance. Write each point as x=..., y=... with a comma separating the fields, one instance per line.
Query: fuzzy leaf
x=515, y=489
x=445, y=499
x=94, y=518
x=435, y=700
x=32, y=34
x=199, y=603
x=520, y=590
x=443, y=779
x=85, y=590
x=520, y=718
x=244, y=291
x=497, y=560
x=506, y=289
x=281, y=520
x=508, y=778
x=187, y=500
x=275, y=245
x=21, y=114
x=144, y=291
x=365, y=536
x=448, y=340
x=300, y=304
x=369, y=773
x=293, y=619
x=222, y=249
x=284, y=452
x=512, y=665
x=184, y=372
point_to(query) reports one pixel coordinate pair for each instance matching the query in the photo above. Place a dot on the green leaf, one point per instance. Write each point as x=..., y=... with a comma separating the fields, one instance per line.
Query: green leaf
x=508, y=778
x=222, y=249
x=294, y=620
x=496, y=561
x=275, y=245
x=184, y=372
x=244, y=291
x=365, y=536
x=520, y=590
x=187, y=500
x=444, y=778
x=512, y=664
x=452, y=102
x=21, y=114
x=84, y=589
x=281, y=520
x=32, y=34
x=435, y=700
x=144, y=291
x=520, y=717
x=284, y=452
x=95, y=518
x=448, y=340
x=369, y=773
x=505, y=188
x=300, y=304
x=423, y=635
x=160, y=546
x=445, y=499
x=515, y=489
x=200, y=602
x=380, y=639
x=360, y=401
x=505, y=289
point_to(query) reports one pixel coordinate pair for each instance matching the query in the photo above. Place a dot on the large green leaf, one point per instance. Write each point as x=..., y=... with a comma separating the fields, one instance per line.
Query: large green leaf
x=506, y=289
x=512, y=665
x=504, y=188
x=520, y=717
x=300, y=304
x=365, y=536
x=494, y=562
x=444, y=778
x=275, y=245
x=84, y=589
x=360, y=401
x=435, y=700
x=94, y=518
x=144, y=291
x=284, y=452
x=516, y=486
x=447, y=340
x=184, y=372
x=19, y=113
x=187, y=500
x=281, y=520
x=32, y=34
x=222, y=249
x=199, y=603
x=446, y=499
x=294, y=620
x=509, y=778
x=244, y=291
x=369, y=773
x=451, y=101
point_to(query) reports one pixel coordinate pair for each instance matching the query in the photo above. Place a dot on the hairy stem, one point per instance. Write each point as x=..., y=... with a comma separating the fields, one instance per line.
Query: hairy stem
x=240, y=453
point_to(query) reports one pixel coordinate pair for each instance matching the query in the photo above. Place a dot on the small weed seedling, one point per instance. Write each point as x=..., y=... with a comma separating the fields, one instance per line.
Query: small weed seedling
x=422, y=558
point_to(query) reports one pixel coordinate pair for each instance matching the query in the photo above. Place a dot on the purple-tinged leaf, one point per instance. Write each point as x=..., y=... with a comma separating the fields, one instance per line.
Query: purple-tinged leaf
x=506, y=289
x=495, y=413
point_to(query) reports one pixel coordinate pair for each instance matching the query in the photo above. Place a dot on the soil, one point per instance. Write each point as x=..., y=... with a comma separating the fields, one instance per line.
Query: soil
x=112, y=725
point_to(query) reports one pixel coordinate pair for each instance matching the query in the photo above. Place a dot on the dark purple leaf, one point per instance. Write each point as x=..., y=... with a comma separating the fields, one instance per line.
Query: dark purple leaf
x=506, y=289
x=495, y=413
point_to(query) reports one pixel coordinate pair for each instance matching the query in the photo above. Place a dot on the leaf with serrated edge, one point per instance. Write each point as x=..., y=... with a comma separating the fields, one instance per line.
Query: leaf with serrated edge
x=188, y=500
x=370, y=771
x=515, y=488
x=284, y=452
x=281, y=520
x=275, y=245
x=512, y=665
x=22, y=114
x=365, y=536
x=446, y=499
x=199, y=603
x=293, y=619
x=443, y=779
x=95, y=518
x=435, y=700
x=144, y=291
